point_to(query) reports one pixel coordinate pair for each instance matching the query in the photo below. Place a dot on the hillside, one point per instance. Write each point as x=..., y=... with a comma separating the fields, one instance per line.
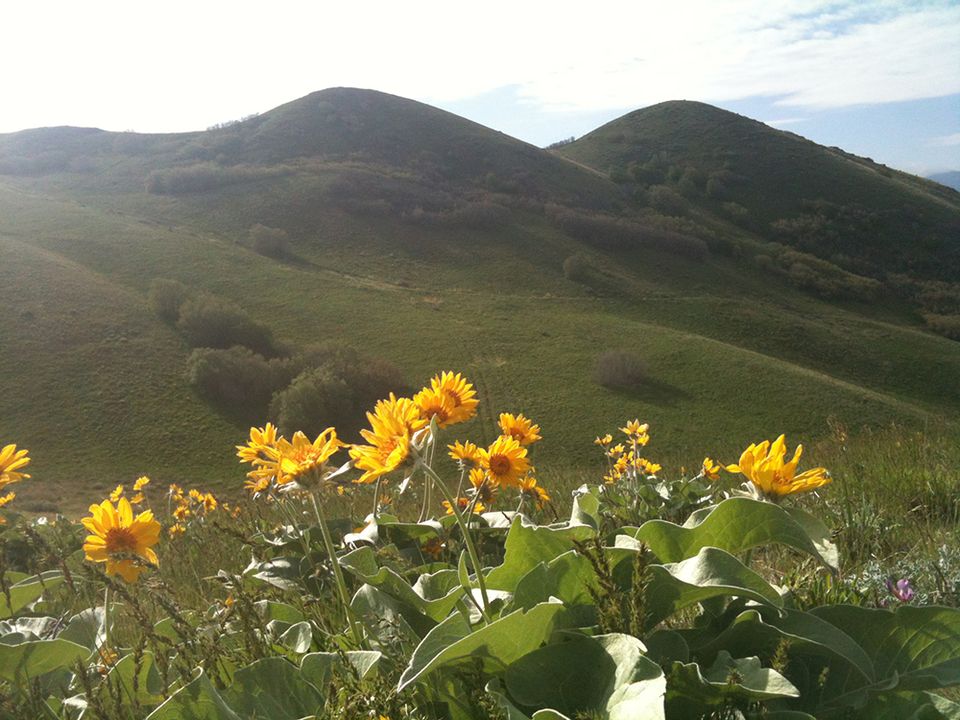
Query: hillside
x=950, y=179
x=431, y=242
x=863, y=216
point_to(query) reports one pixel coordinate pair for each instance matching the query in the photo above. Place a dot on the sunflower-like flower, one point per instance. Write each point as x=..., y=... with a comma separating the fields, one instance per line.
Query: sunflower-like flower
x=772, y=478
x=481, y=487
x=519, y=428
x=12, y=461
x=529, y=490
x=393, y=424
x=435, y=404
x=463, y=504
x=261, y=452
x=604, y=441
x=710, y=470
x=505, y=461
x=467, y=453
x=460, y=392
x=124, y=542
x=636, y=432
x=299, y=459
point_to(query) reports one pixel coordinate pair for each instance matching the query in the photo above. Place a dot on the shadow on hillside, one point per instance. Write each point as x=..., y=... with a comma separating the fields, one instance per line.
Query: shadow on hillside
x=653, y=392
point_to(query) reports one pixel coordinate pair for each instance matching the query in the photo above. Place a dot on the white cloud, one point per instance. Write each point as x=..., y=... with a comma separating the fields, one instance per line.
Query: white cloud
x=945, y=140
x=184, y=64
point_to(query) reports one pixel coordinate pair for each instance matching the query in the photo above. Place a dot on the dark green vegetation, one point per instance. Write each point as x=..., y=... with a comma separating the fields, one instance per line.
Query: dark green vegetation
x=766, y=283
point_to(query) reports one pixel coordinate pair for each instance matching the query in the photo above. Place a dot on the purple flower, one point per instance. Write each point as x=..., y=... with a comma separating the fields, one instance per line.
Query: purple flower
x=900, y=589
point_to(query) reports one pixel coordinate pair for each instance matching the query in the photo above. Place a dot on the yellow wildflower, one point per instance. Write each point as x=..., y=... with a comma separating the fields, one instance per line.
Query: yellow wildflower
x=519, y=428
x=482, y=488
x=465, y=453
x=435, y=404
x=636, y=432
x=604, y=441
x=393, y=424
x=11, y=462
x=116, y=494
x=463, y=504
x=531, y=491
x=505, y=461
x=141, y=483
x=124, y=542
x=710, y=469
x=462, y=396
x=772, y=478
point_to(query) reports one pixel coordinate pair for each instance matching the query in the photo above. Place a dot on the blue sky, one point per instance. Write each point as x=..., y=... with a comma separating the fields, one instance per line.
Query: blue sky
x=879, y=78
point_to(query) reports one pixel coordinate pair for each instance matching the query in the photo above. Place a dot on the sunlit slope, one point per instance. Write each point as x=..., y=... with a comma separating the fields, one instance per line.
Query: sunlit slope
x=94, y=383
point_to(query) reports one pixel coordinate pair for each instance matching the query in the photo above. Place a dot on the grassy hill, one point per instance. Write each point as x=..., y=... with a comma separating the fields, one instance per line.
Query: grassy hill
x=434, y=243
x=859, y=214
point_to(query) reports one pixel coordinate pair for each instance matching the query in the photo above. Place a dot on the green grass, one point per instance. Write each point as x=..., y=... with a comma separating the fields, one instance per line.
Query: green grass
x=94, y=385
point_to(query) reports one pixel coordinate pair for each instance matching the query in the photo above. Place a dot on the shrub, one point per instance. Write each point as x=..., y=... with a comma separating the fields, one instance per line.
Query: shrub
x=202, y=177
x=619, y=369
x=946, y=325
x=315, y=400
x=272, y=242
x=237, y=379
x=666, y=200
x=207, y=321
x=575, y=268
x=167, y=297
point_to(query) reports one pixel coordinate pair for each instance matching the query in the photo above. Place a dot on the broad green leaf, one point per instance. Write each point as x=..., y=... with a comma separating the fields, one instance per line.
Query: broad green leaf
x=495, y=645
x=149, y=688
x=914, y=648
x=86, y=628
x=27, y=590
x=318, y=668
x=281, y=572
x=197, y=700
x=527, y=546
x=297, y=638
x=586, y=507
x=14, y=632
x=32, y=659
x=388, y=619
x=272, y=688
x=567, y=578
x=711, y=573
x=909, y=706
x=606, y=677
x=726, y=679
x=272, y=610
x=759, y=630
x=441, y=590
x=735, y=525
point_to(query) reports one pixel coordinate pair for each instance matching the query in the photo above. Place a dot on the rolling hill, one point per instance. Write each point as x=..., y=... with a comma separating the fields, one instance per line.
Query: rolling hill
x=432, y=242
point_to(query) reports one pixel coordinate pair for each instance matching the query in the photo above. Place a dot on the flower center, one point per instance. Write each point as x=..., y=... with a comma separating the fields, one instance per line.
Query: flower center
x=120, y=540
x=499, y=464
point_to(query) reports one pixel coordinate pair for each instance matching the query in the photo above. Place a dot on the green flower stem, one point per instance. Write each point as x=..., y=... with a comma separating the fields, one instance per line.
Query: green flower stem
x=337, y=571
x=376, y=500
x=467, y=538
x=105, y=648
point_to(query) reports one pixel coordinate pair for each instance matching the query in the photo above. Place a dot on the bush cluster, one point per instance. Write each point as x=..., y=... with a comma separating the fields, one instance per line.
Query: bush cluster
x=620, y=369
x=202, y=177
x=268, y=241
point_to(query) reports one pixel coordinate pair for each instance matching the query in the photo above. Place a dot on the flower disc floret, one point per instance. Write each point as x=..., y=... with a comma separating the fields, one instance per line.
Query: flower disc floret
x=772, y=478
x=122, y=541
x=505, y=461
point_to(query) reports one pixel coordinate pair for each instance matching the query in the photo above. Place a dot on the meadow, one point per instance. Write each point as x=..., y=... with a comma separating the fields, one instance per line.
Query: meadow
x=417, y=574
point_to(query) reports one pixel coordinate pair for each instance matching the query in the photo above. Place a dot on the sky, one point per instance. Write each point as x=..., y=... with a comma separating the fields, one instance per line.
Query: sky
x=880, y=79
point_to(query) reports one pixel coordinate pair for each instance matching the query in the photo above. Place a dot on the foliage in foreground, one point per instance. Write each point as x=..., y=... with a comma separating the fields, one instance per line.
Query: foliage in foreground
x=659, y=597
